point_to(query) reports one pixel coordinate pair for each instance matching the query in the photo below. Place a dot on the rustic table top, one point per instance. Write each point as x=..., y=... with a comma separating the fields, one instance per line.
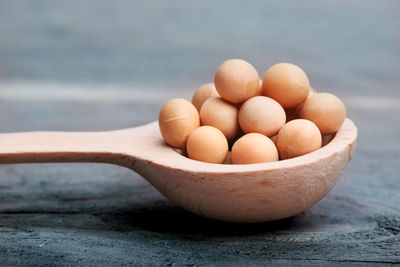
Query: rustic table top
x=95, y=214
x=101, y=65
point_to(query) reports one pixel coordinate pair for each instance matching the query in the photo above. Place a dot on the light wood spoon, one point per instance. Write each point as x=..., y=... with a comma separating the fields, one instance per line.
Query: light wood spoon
x=238, y=193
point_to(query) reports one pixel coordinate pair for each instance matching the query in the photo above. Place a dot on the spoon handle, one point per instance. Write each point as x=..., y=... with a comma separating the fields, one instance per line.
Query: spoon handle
x=42, y=147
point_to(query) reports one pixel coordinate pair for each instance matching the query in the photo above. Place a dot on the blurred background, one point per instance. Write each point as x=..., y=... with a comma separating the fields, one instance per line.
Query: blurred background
x=146, y=52
x=179, y=44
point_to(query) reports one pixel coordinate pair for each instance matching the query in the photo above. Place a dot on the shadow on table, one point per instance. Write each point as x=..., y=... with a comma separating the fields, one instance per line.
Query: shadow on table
x=164, y=217
x=175, y=220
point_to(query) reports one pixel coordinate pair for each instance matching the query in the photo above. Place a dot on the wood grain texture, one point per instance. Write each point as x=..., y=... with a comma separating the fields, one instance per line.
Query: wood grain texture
x=85, y=214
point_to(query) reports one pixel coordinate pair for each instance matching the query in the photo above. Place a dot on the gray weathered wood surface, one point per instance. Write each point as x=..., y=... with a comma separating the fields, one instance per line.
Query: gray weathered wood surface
x=93, y=214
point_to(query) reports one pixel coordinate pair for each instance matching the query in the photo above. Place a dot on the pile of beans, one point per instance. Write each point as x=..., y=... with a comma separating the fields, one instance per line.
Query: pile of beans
x=280, y=117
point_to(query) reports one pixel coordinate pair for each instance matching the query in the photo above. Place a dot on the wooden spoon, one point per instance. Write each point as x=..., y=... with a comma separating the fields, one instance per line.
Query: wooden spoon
x=238, y=193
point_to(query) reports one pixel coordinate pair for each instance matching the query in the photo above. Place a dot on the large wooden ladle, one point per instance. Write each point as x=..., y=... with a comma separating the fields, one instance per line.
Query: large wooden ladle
x=238, y=193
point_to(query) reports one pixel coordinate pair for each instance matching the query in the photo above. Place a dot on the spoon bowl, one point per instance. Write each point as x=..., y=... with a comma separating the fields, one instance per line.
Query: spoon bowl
x=236, y=193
